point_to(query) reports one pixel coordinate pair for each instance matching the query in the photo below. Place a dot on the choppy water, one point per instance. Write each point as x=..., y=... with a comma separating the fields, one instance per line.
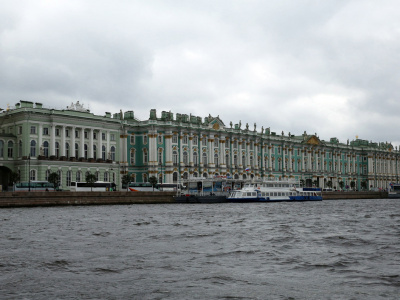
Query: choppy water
x=310, y=250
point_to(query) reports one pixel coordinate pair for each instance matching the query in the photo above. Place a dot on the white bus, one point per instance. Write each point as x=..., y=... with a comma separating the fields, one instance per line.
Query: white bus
x=98, y=186
x=140, y=187
x=170, y=187
x=34, y=186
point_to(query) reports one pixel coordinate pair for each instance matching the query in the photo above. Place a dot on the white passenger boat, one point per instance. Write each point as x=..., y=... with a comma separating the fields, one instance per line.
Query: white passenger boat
x=394, y=190
x=274, y=190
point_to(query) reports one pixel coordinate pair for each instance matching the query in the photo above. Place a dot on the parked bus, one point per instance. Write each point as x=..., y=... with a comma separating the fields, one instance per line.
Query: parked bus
x=170, y=187
x=34, y=186
x=98, y=186
x=140, y=187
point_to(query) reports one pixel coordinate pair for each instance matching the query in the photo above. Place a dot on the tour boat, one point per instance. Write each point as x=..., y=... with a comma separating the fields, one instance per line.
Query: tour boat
x=274, y=190
x=394, y=190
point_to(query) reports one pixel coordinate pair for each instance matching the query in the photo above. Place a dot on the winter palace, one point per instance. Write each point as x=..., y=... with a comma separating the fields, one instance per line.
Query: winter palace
x=36, y=141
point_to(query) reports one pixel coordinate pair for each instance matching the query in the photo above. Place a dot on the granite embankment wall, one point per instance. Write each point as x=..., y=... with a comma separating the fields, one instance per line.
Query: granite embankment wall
x=353, y=195
x=30, y=199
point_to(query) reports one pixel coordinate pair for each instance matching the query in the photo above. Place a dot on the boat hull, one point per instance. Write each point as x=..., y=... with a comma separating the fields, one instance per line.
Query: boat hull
x=270, y=199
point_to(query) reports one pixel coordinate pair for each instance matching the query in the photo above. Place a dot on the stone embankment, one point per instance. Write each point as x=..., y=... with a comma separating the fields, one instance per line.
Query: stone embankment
x=354, y=195
x=30, y=199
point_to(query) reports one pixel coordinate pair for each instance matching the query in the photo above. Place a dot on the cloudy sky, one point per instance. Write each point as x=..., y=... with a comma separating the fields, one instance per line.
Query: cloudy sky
x=330, y=67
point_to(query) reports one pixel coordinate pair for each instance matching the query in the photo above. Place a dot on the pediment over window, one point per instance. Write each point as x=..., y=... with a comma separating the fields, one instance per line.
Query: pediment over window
x=215, y=123
x=313, y=140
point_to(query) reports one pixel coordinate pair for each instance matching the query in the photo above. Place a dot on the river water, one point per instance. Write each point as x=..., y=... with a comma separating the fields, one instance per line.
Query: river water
x=344, y=249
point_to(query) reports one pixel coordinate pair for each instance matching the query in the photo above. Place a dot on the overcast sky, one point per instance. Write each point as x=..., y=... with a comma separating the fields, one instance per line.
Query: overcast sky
x=329, y=67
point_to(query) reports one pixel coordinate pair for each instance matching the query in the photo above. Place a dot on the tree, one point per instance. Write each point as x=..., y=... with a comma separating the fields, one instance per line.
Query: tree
x=54, y=179
x=364, y=184
x=352, y=185
x=341, y=184
x=329, y=184
x=153, y=181
x=125, y=180
x=14, y=178
x=91, y=179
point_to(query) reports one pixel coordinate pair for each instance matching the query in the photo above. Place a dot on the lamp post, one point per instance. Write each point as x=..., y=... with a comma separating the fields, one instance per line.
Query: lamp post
x=29, y=172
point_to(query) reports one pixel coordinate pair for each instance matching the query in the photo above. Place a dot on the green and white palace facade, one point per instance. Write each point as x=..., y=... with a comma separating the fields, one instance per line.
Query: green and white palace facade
x=36, y=141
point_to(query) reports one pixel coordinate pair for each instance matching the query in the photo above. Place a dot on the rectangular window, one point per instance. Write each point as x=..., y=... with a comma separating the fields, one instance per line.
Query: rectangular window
x=195, y=140
x=67, y=132
x=20, y=130
x=46, y=131
x=132, y=140
x=175, y=139
x=95, y=135
x=76, y=133
x=33, y=129
x=204, y=141
x=185, y=139
x=145, y=139
x=57, y=131
x=160, y=139
x=86, y=134
x=112, y=137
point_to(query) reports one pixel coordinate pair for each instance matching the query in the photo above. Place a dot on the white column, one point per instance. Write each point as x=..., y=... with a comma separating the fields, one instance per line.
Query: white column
x=62, y=146
x=91, y=143
x=73, y=142
x=53, y=140
x=82, y=142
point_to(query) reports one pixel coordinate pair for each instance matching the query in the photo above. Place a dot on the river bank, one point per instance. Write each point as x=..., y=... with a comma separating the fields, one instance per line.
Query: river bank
x=33, y=199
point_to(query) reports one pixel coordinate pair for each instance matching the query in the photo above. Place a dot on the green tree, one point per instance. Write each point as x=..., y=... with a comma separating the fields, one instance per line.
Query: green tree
x=153, y=181
x=91, y=179
x=364, y=184
x=125, y=180
x=352, y=185
x=54, y=179
x=341, y=184
x=329, y=184
x=14, y=178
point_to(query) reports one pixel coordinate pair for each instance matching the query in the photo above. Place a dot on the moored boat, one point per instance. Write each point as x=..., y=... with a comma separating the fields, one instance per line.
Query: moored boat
x=394, y=190
x=273, y=191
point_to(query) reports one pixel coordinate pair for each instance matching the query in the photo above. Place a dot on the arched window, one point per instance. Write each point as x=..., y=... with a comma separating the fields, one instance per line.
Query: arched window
x=20, y=149
x=251, y=160
x=47, y=174
x=67, y=150
x=10, y=149
x=205, y=175
x=133, y=177
x=227, y=160
x=235, y=160
x=195, y=174
x=204, y=159
x=69, y=177
x=33, y=148
x=78, y=176
x=175, y=157
x=85, y=147
x=46, y=149
x=112, y=153
x=175, y=177
x=97, y=174
x=103, y=152
x=160, y=156
x=185, y=175
x=216, y=160
x=132, y=157
x=106, y=176
x=145, y=156
x=195, y=159
x=59, y=173
x=185, y=158
x=144, y=177
x=57, y=150
x=32, y=174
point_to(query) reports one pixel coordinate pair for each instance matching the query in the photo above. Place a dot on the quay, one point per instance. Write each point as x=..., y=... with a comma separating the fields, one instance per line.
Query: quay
x=35, y=199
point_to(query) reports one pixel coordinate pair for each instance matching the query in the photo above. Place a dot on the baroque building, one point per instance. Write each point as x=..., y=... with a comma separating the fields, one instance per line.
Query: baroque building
x=35, y=141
